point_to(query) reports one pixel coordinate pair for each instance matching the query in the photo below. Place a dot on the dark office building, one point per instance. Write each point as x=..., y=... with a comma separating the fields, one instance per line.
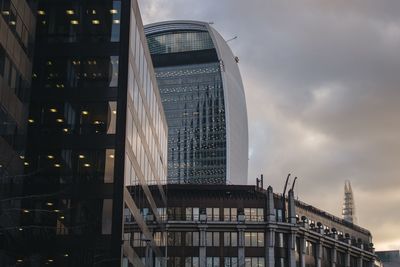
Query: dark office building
x=17, y=27
x=389, y=258
x=204, y=102
x=246, y=226
x=96, y=125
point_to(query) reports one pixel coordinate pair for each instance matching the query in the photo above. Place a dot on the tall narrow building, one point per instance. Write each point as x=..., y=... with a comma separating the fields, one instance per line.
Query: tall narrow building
x=17, y=29
x=349, y=208
x=204, y=102
x=96, y=126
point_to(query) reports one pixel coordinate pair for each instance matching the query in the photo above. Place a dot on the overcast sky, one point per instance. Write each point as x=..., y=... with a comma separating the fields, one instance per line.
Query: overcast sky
x=322, y=84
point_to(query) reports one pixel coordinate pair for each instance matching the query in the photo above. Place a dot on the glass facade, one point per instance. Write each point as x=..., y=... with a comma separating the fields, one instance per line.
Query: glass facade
x=175, y=42
x=194, y=103
x=191, y=77
x=96, y=127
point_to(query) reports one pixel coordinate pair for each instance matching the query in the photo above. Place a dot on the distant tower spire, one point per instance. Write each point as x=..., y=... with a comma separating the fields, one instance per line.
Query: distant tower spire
x=349, y=208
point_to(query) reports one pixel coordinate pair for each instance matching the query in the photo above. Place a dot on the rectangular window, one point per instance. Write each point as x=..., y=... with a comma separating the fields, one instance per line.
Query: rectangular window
x=174, y=238
x=192, y=239
x=281, y=240
x=231, y=262
x=212, y=214
x=254, y=214
x=212, y=239
x=213, y=262
x=230, y=239
x=254, y=262
x=230, y=214
x=254, y=239
x=191, y=262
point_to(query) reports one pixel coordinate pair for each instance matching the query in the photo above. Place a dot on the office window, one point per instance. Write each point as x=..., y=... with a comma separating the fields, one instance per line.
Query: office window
x=192, y=239
x=341, y=259
x=230, y=214
x=254, y=262
x=174, y=262
x=212, y=239
x=213, y=262
x=90, y=23
x=174, y=239
x=310, y=254
x=230, y=239
x=326, y=257
x=254, y=239
x=212, y=214
x=310, y=248
x=192, y=262
x=192, y=214
x=231, y=262
x=254, y=214
x=279, y=215
x=138, y=240
x=281, y=240
x=62, y=72
x=159, y=238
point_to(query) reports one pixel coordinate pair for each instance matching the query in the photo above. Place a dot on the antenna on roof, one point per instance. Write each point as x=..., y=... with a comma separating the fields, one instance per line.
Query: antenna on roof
x=294, y=182
x=234, y=38
x=284, y=189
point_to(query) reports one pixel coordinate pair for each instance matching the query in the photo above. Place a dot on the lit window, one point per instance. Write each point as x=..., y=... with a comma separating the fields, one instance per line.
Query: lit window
x=74, y=22
x=116, y=21
x=50, y=156
x=31, y=121
x=85, y=112
x=113, y=11
x=81, y=156
x=53, y=110
x=41, y=12
x=96, y=22
x=60, y=120
x=57, y=165
x=70, y=12
x=86, y=165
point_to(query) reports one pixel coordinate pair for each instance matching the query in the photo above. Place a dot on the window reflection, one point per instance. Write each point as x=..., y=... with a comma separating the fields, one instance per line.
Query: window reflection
x=80, y=72
x=76, y=118
x=73, y=166
x=96, y=22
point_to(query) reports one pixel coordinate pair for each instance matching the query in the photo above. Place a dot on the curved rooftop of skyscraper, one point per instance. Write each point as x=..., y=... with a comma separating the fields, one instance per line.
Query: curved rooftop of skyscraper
x=204, y=101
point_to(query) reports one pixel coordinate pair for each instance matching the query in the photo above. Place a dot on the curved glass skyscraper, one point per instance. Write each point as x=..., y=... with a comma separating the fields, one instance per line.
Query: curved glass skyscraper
x=203, y=98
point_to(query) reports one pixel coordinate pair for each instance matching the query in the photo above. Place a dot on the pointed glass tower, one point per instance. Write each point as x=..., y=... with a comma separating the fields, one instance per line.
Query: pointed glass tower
x=349, y=209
